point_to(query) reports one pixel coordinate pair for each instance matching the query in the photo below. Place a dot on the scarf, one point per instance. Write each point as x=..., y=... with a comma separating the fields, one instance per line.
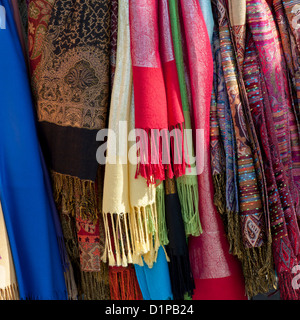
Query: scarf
x=285, y=233
x=8, y=280
x=158, y=110
x=253, y=242
x=129, y=210
x=181, y=277
x=70, y=75
x=187, y=185
x=290, y=50
x=25, y=198
x=155, y=282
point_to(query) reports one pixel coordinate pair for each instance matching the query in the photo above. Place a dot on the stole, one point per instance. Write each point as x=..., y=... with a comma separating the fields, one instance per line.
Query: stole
x=69, y=51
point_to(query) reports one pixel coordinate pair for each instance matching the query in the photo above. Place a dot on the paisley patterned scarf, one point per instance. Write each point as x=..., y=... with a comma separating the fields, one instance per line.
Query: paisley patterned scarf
x=253, y=243
x=69, y=50
x=282, y=132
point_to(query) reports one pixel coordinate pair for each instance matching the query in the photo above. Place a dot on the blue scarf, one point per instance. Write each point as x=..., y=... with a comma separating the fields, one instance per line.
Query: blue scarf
x=24, y=195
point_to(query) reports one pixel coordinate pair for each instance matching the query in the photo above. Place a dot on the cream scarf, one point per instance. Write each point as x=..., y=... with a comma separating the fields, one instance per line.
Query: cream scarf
x=8, y=280
x=129, y=208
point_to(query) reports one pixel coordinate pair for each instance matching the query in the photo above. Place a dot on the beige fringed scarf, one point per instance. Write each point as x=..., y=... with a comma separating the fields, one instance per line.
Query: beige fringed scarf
x=8, y=280
x=129, y=209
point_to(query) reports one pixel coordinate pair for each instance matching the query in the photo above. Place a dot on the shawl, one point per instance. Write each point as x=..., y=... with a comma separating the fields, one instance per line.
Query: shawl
x=212, y=268
x=281, y=102
x=253, y=242
x=187, y=185
x=158, y=110
x=8, y=280
x=25, y=199
x=285, y=233
x=70, y=76
x=208, y=17
x=155, y=282
x=290, y=50
x=129, y=210
x=181, y=277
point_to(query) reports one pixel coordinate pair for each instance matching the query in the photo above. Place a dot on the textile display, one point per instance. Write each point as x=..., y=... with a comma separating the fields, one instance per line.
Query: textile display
x=151, y=150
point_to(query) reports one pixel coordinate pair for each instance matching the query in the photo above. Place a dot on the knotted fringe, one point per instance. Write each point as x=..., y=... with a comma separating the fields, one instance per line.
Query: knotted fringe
x=220, y=192
x=161, y=215
x=95, y=285
x=187, y=188
x=154, y=155
x=131, y=236
x=285, y=283
x=182, y=280
x=10, y=293
x=70, y=283
x=124, y=284
x=73, y=193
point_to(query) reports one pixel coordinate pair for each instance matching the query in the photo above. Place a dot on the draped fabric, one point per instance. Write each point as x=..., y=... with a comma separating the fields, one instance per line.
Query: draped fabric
x=69, y=66
x=157, y=96
x=25, y=199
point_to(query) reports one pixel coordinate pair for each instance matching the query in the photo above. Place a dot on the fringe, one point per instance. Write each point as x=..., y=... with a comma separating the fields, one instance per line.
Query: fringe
x=131, y=236
x=220, y=192
x=187, y=188
x=124, y=284
x=154, y=157
x=181, y=277
x=287, y=292
x=73, y=193
x=161, y=215
x=10, y=293
x=95, y=285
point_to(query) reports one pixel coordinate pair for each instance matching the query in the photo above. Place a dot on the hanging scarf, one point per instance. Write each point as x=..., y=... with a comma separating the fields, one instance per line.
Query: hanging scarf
x=181, y=277
x=25, y=200
x=290, y=50
x=187, y=185
x=283, y=217
x=157, y=97
x=129, y=209
x=70, y=74
x=155, y=282
x=253, y=242
x=274, y=69
x=223, y=146
x=211, y=268
x=8, y=280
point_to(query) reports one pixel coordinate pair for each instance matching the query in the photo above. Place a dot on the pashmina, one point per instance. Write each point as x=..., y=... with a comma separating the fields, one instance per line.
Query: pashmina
x=25, y=199
x=187, y=185
x=211, y=263
x=155, y=283
x=252, y=242
x=69, y=50
x=158, y=109
x=275, y=72
x=129, y=210
x=181, y=277
x=8, y=280
x=277, y=105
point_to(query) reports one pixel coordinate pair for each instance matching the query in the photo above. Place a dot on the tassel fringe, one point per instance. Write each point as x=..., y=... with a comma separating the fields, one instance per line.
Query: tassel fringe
x=154, y=156
x=287, y=292
x=95, y=285
x=10, y=293
x=187, y=188
x=131, y=236
x=161, y=215
x=74, y=193
x=124, y=284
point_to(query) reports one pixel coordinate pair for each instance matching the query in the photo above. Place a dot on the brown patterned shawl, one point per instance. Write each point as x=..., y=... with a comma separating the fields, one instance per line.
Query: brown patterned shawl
x=69, y=48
